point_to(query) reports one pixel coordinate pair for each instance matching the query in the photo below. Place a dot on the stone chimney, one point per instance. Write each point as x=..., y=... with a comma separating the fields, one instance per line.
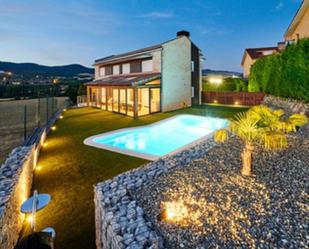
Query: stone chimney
x=183, y=33
x=281, y=46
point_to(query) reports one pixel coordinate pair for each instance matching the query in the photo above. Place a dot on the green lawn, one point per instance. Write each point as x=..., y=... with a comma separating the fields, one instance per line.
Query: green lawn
x=70, y=169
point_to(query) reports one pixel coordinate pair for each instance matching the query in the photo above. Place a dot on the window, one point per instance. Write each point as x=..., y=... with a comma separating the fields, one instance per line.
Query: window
x=192, y=92
x=116, y=69
x=102, y=71
x=143, y=101
x=135, y=67
x=103, y=98
x=192, y=66
x=108, y=70
x=147, y=66
x=155, y=100
x=126, y=68
x=130, y=102
x=115, y=100
x=122, y=101
x=109, y=98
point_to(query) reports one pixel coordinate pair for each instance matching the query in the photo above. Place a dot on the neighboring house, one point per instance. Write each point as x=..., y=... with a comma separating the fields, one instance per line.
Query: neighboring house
x=299, y=27
x=162, y=77
x=252, y=54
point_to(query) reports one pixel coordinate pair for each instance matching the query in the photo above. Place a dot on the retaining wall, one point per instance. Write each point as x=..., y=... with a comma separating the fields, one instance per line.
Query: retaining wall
x=120, y=221
x=15, y=186
x=289, y=105
x=16, y=175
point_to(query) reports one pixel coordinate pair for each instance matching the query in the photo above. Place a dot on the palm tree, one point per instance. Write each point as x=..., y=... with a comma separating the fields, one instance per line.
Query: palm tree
x=261, y=125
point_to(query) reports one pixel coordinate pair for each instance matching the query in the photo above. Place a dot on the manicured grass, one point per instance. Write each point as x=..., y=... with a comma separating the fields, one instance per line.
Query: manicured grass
x=70, y=169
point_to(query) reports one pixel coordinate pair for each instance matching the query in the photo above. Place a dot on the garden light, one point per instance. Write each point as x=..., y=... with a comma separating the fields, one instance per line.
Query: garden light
x=30, y=218
x=38, y=168
x=53, y=128
x=236, y=103
x=216, y=80
x=174, y=211
x=61, y=117
x=215, y=101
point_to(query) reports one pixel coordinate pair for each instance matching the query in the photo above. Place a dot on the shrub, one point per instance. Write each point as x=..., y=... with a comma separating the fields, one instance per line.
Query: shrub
x=228, y=85
x=285, y=74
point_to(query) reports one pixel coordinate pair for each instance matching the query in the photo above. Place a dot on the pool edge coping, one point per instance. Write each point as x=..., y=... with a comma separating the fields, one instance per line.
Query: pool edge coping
x=89, y=140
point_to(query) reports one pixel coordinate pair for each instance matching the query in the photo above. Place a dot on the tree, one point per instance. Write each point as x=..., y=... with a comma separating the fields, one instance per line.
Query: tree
x=261, y=125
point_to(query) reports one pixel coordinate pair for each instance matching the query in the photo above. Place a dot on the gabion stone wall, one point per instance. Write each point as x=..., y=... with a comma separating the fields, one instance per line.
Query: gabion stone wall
x=15, y=186
x=289, y=105
x=120, y=222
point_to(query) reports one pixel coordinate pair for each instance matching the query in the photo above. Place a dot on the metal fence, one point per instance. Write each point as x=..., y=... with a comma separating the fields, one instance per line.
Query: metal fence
x=20, y=118
x=82, y=101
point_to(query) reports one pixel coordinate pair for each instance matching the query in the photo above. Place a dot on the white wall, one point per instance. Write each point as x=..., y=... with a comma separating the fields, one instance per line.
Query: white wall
x=156, y=61
x=176, y=74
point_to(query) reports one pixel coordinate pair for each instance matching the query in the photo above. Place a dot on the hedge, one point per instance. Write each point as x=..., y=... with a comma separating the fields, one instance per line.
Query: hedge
x=228, y=85
x=285, y=74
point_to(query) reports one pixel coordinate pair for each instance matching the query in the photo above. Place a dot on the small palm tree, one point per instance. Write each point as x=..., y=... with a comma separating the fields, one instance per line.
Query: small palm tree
x=261, y=125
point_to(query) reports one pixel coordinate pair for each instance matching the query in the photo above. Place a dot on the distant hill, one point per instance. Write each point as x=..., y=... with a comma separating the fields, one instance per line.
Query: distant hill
x=34, y=69
x=206, y=72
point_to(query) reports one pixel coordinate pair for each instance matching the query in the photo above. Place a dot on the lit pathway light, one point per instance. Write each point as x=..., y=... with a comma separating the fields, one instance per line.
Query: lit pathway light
x=34, y=204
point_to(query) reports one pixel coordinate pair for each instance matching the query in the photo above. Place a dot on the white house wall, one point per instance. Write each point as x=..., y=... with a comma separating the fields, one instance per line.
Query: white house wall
x=176, y=74
x=156, y=61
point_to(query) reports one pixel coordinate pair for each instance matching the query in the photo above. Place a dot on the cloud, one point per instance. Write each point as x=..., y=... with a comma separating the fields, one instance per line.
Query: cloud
x=158, y=15
x=279, y=5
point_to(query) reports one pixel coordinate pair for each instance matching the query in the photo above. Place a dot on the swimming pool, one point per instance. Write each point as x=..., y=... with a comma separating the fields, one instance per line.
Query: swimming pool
x=158, y=139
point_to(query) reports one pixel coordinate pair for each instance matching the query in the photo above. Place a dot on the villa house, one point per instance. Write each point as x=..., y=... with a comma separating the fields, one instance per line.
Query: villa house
x=162, y=77
x=298, y=29
x=252, y=54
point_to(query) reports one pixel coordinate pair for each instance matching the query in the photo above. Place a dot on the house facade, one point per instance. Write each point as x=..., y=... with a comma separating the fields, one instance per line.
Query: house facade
x=298, y=29
x=159, y=78
x=252, y=54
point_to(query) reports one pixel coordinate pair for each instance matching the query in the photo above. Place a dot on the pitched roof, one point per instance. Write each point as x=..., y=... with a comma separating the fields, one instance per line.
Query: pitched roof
x=297, y=18
x=126, y=80
x=256, y=53
x=134, y=52
x=119, y=57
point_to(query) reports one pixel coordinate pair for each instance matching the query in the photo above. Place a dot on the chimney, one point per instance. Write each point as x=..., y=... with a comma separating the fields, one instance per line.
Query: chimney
x=281, y=46
x=183, y=33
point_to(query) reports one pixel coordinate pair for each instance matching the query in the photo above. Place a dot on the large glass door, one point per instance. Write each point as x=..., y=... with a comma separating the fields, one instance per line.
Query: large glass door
x=130, y=102
x=103, y=98
x=116, y=100
x=143, y=101
x=122, y=101
x=155, y=100
x=109, y=99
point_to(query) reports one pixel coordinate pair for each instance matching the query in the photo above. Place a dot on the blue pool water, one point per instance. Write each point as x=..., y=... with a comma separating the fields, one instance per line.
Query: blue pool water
x=158, y=139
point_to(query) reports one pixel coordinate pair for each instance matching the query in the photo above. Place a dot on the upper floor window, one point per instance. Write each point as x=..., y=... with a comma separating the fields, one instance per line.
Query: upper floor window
x=102, y=71
x=192, y=66
x=126, y=68
x=147, y=66
x=108, y=70
x=116, y=69
x=135, y=67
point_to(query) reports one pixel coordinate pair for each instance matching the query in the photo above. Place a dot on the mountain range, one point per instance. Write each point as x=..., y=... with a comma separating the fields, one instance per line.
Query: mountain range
x=206, y=72
x=29, y=69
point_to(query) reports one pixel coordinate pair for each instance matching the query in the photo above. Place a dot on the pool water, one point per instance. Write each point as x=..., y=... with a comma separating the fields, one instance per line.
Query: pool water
x=160, y=138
